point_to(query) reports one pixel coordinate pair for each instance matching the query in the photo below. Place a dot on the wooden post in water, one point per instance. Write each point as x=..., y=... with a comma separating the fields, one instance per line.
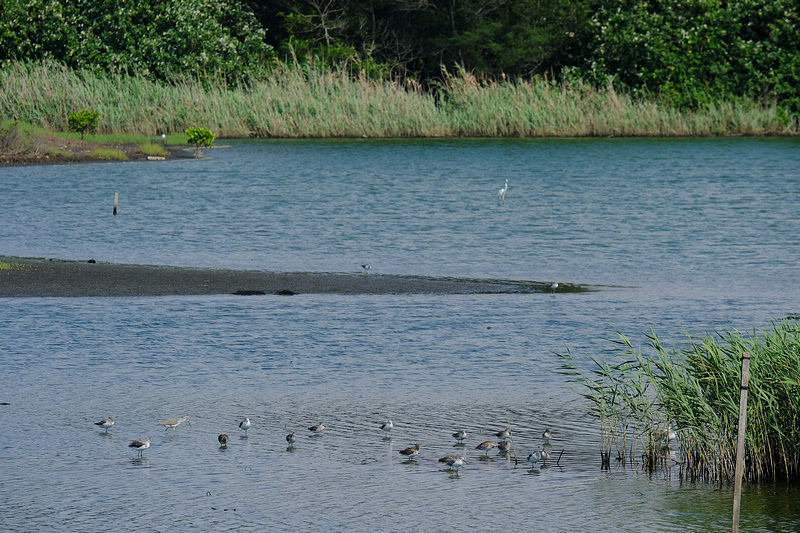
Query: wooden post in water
x=116, y=199
x=737, y=491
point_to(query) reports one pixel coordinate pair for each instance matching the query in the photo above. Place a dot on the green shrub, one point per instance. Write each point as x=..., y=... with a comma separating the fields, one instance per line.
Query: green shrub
x=83, y=121
x=200, y=137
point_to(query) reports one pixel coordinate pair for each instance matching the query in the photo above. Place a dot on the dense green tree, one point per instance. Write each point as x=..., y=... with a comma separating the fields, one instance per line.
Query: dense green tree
x=488, y=37
x=687, y=52
x=693, y=51
x=158, y=38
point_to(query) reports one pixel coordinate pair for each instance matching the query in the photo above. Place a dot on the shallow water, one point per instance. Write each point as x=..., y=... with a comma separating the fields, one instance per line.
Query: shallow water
x=679, y=235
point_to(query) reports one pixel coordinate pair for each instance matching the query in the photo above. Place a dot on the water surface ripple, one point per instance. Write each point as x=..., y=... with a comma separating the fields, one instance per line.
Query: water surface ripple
x=685, y=236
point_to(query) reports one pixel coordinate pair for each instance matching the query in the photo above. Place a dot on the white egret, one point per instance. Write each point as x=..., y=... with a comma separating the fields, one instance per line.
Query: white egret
x=501, y=194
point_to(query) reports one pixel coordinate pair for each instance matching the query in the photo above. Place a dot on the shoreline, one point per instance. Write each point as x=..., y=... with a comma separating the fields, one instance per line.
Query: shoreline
x=49, y=149
x=29, y=277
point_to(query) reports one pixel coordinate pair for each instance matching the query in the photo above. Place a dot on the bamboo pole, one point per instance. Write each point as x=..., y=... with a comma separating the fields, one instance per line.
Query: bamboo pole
x=116, y=199
x=737, y=491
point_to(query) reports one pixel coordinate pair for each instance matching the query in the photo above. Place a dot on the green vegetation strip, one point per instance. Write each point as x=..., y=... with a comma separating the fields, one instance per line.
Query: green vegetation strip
x=109, y=154
x=321, y=102
x=695, y=392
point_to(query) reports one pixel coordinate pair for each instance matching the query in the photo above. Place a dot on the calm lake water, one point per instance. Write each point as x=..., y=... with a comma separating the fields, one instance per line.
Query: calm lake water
x=683, y=236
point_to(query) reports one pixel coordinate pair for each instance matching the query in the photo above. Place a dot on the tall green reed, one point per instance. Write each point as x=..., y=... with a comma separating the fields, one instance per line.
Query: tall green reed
x=695, y=391
x=296, y=101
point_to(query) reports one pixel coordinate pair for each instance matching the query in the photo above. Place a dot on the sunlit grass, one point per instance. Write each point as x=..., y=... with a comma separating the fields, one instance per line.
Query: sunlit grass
x=153, y=149
x=108, y=154
x=120, y=138
x=10, y=266
x=297, y=102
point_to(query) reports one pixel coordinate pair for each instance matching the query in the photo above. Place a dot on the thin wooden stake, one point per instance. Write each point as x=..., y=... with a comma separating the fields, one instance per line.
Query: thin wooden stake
x=737, y=491
x=116, y=199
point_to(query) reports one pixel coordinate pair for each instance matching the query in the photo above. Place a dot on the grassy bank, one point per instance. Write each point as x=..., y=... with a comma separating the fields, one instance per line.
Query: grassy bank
x=22, y=143
x=309, y=102
x=639, y=400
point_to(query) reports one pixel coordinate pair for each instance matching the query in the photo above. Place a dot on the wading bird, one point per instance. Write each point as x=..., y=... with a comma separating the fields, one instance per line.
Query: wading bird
x=501, y=194
x=105, y=423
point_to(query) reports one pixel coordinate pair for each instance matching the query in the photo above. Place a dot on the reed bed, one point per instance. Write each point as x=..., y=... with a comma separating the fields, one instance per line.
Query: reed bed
x=682, y=407
x=298, y=101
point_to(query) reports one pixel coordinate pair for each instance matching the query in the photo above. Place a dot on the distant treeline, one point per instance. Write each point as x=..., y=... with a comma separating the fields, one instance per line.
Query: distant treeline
x=685, y=53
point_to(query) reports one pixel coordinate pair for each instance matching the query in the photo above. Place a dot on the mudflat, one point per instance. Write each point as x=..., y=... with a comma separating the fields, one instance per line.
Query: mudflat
x=27, y=277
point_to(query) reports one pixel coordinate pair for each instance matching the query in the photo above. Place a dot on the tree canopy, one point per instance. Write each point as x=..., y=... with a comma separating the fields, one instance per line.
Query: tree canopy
x=686, y=52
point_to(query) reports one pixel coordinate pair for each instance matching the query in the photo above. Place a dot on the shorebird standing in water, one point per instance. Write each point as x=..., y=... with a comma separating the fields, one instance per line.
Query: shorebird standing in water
x=553, y=287
x=140, y=444
x=245, y=425
x=366, y=267
x=460, y=436
x=411, y=451
x=453, y=462
x=534, y=458
x=387, y=426
x=504, y=446
x=105, y=423
x=223, y=440
x=504, y=435
x=291, y=439
x=486, y=445
x=501, y=194
x=547, y=435
x=172, y=423
x=316, y=429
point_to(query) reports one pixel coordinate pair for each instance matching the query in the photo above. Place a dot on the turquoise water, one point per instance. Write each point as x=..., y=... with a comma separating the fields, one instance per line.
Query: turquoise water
x=684, y=236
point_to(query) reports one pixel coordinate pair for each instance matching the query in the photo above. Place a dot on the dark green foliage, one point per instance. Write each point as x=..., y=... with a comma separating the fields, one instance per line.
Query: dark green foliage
x=83, y=121
x=693, y=52
x=488, y=37
x=687, y=53
x=155, y=38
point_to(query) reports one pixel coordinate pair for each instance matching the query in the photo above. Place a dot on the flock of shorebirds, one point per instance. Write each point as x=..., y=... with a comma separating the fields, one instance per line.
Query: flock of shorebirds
x=454, y=462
